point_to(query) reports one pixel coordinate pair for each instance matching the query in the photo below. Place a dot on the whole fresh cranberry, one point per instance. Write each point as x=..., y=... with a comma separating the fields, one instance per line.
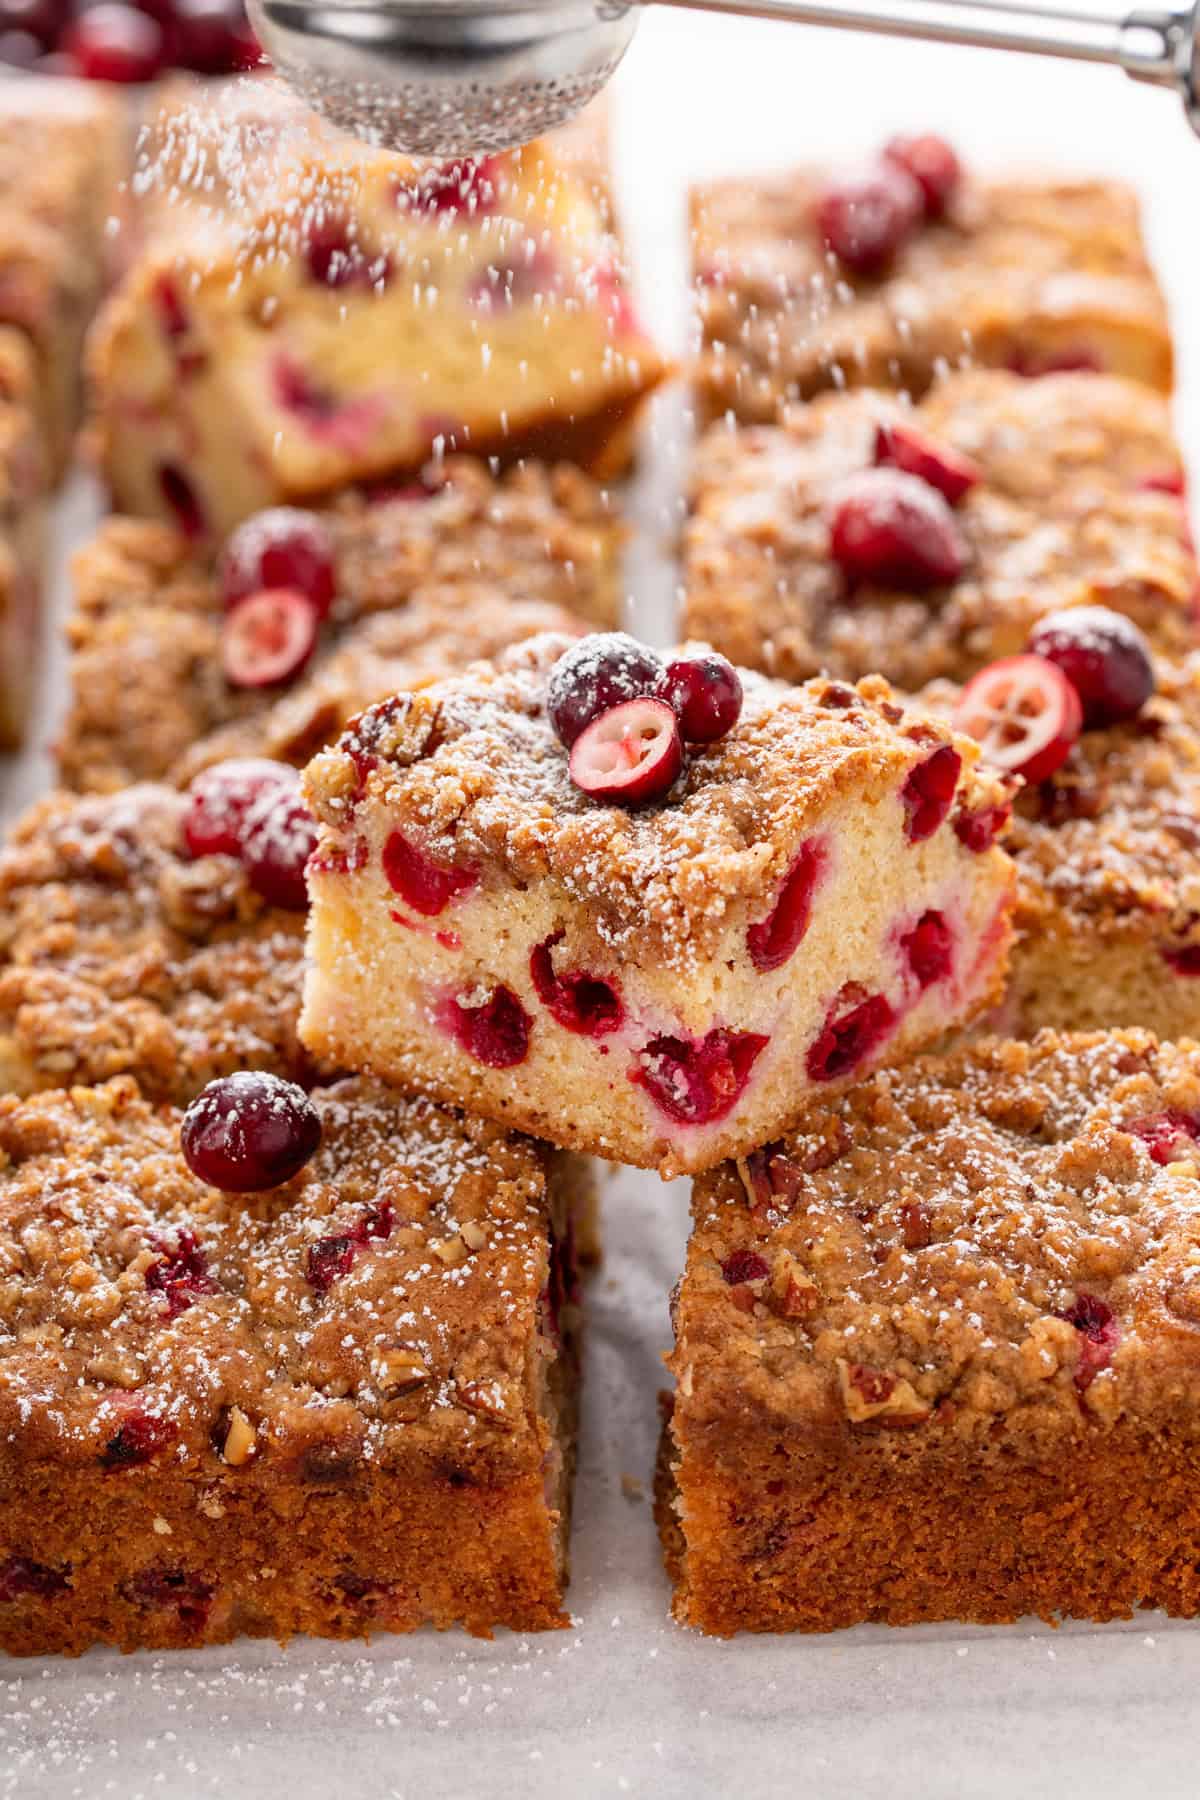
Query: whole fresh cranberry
x=865, y=220
x=599, y=672
x=933, y=165
x=268, y=638
x=284, y=547
x=705, y=693
x=1024, y=714
x=894, y=530
x=903, y=446
x=207, y=35
x=280, y=836
x=38, y=19
x=114, y=42
x=19, y=49
x=1103, y=655
x=221, y=800
x=248, y=1132
x=630, y=755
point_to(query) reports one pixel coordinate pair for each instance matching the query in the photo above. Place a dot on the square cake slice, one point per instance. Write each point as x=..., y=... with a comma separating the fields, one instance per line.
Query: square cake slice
x=343, y=1405
x=666, y=986
x=936, y=1350
x=808, y=280
x=24, y=476
x=457, y=566
x=371, y=315
x=862, y=535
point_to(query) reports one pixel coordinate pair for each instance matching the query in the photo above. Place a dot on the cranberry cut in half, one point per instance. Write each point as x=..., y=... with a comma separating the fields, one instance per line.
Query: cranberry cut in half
x=866, y=220
x=495, y=1033
x=773, y=940
x=426, y=886
x=705, y=694
x=933, y=165
x=268, y=638
x=280, y=836
x=284, y=547
x=1024, y=714
x=1103, y=655
x=928, y=793
x=630, y=755
x=906, y=448
x=698, y=1082
x=853, y=1029
x=222, y=799
x=1166, y=1135
x=977, y=831
x=248, y=1132
x=1099, y=1334
x=113, y=42
x=599, y=672
x=894, y=530
x=929, y=949
x=585, y=1004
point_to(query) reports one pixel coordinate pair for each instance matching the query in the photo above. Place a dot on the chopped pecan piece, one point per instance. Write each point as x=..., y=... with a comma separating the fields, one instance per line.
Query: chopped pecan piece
x=877, y=1394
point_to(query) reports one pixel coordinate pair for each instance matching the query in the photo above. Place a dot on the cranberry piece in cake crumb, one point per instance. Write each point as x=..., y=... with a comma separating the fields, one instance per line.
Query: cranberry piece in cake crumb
x=1167, y=1135
x=284, y=547
x=866, y=219
x=182, y=1275
x=771, y=941
x=428, y=887
x=933, y=165
x=222, y=800
x=929, y=948
x=1103, y=655
x=744, y=1265
x=249, y=1132
x=494, y=1030
x=583, y=1003
x=927, y=794
x=138, y=1439
x=705, y=692
x=894, y=530
x=280, y=836
x=854, y=1028
x=696, y=1083
x=601, y=671
x=1099, y=1334
x=269, y=637
x=906, y=447
x=1024, y=713
x=22, y=1575
x=979, y=830
x=630, y=755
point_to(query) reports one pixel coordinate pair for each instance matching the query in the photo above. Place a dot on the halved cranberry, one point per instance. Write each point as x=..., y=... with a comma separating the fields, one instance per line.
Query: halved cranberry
x=771, y=941
x=1024, y=714
x=697, y=1082
x=138, y=1439
x=189, y=1593
x=599, y=672
x=929, y=948
x=866, y=220
x=21, y=1575
x=221, y=800
x=904, y=447
x=630, y=755
x=1103, y=655
x=705, y=693
x=977, y=831
x=1166, y=1135
x=183, y=501
x=280, y=836
x=327, y=1260
x=933, y=165
x=284, y=547
x=583, y=1003
x=894, y=530
x=928, y=793
x=268, y=638
x=113, y=42
x=853, y=1029
x=1184, y=959
x=181, y=1276
x=335, y=256
x=496, y=1032
x=1099, y=1334
x=744, y=1265
x=248, y=1132
x=426, y=886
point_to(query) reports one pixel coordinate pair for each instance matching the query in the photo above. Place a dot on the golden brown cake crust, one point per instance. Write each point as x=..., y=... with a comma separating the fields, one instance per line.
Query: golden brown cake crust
x=423, y=585
x=1061, y=516
x=968, y=1275
x=180, y=1397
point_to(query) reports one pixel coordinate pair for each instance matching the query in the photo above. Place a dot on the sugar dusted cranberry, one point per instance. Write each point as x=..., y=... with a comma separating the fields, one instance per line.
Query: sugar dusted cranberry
x=222, y=799
x=582, y=1003
x=268, y=638
x=933, y=165
x=698, y=1081
x=1099, y=1334
x=138, y=1439
x=181, y=1276
x=929, y=949
x=335, y=256
x=928, y=792
x=1103, y=655
x=281, y=835
x=866, y=220
x=284, y=547
x=894, y=530
x=903, y=446
x=853, y=1029
x=705, y=693
x=328, y=1260
x=249, y=1132
x=427, y=886
x=1024, y=713
x=744, y=1265
x=495, y=1032
x=114, y=42
x=20, y=1575
x=630, y=755
x=1167, y=1135
x=466, y=185
x=977, y=831
x=599, y=672
x=771, y=941
x=182, y=499
x=377, y=1222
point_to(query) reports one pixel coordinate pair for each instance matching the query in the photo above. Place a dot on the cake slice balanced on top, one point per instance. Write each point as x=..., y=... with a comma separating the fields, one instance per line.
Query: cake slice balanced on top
x=644, y=948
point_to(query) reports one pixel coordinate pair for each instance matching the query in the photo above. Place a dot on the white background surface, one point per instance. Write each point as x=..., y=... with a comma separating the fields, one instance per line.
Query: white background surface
x=625, y=1703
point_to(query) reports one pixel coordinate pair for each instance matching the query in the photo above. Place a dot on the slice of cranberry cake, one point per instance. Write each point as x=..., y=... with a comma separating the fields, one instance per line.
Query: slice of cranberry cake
x=24, y=481
x=889, y=275
x=936, y=1350
x=861, y=534
x=657, y=947
x=372, y=315
x=342, y=1405
x=172, y=668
